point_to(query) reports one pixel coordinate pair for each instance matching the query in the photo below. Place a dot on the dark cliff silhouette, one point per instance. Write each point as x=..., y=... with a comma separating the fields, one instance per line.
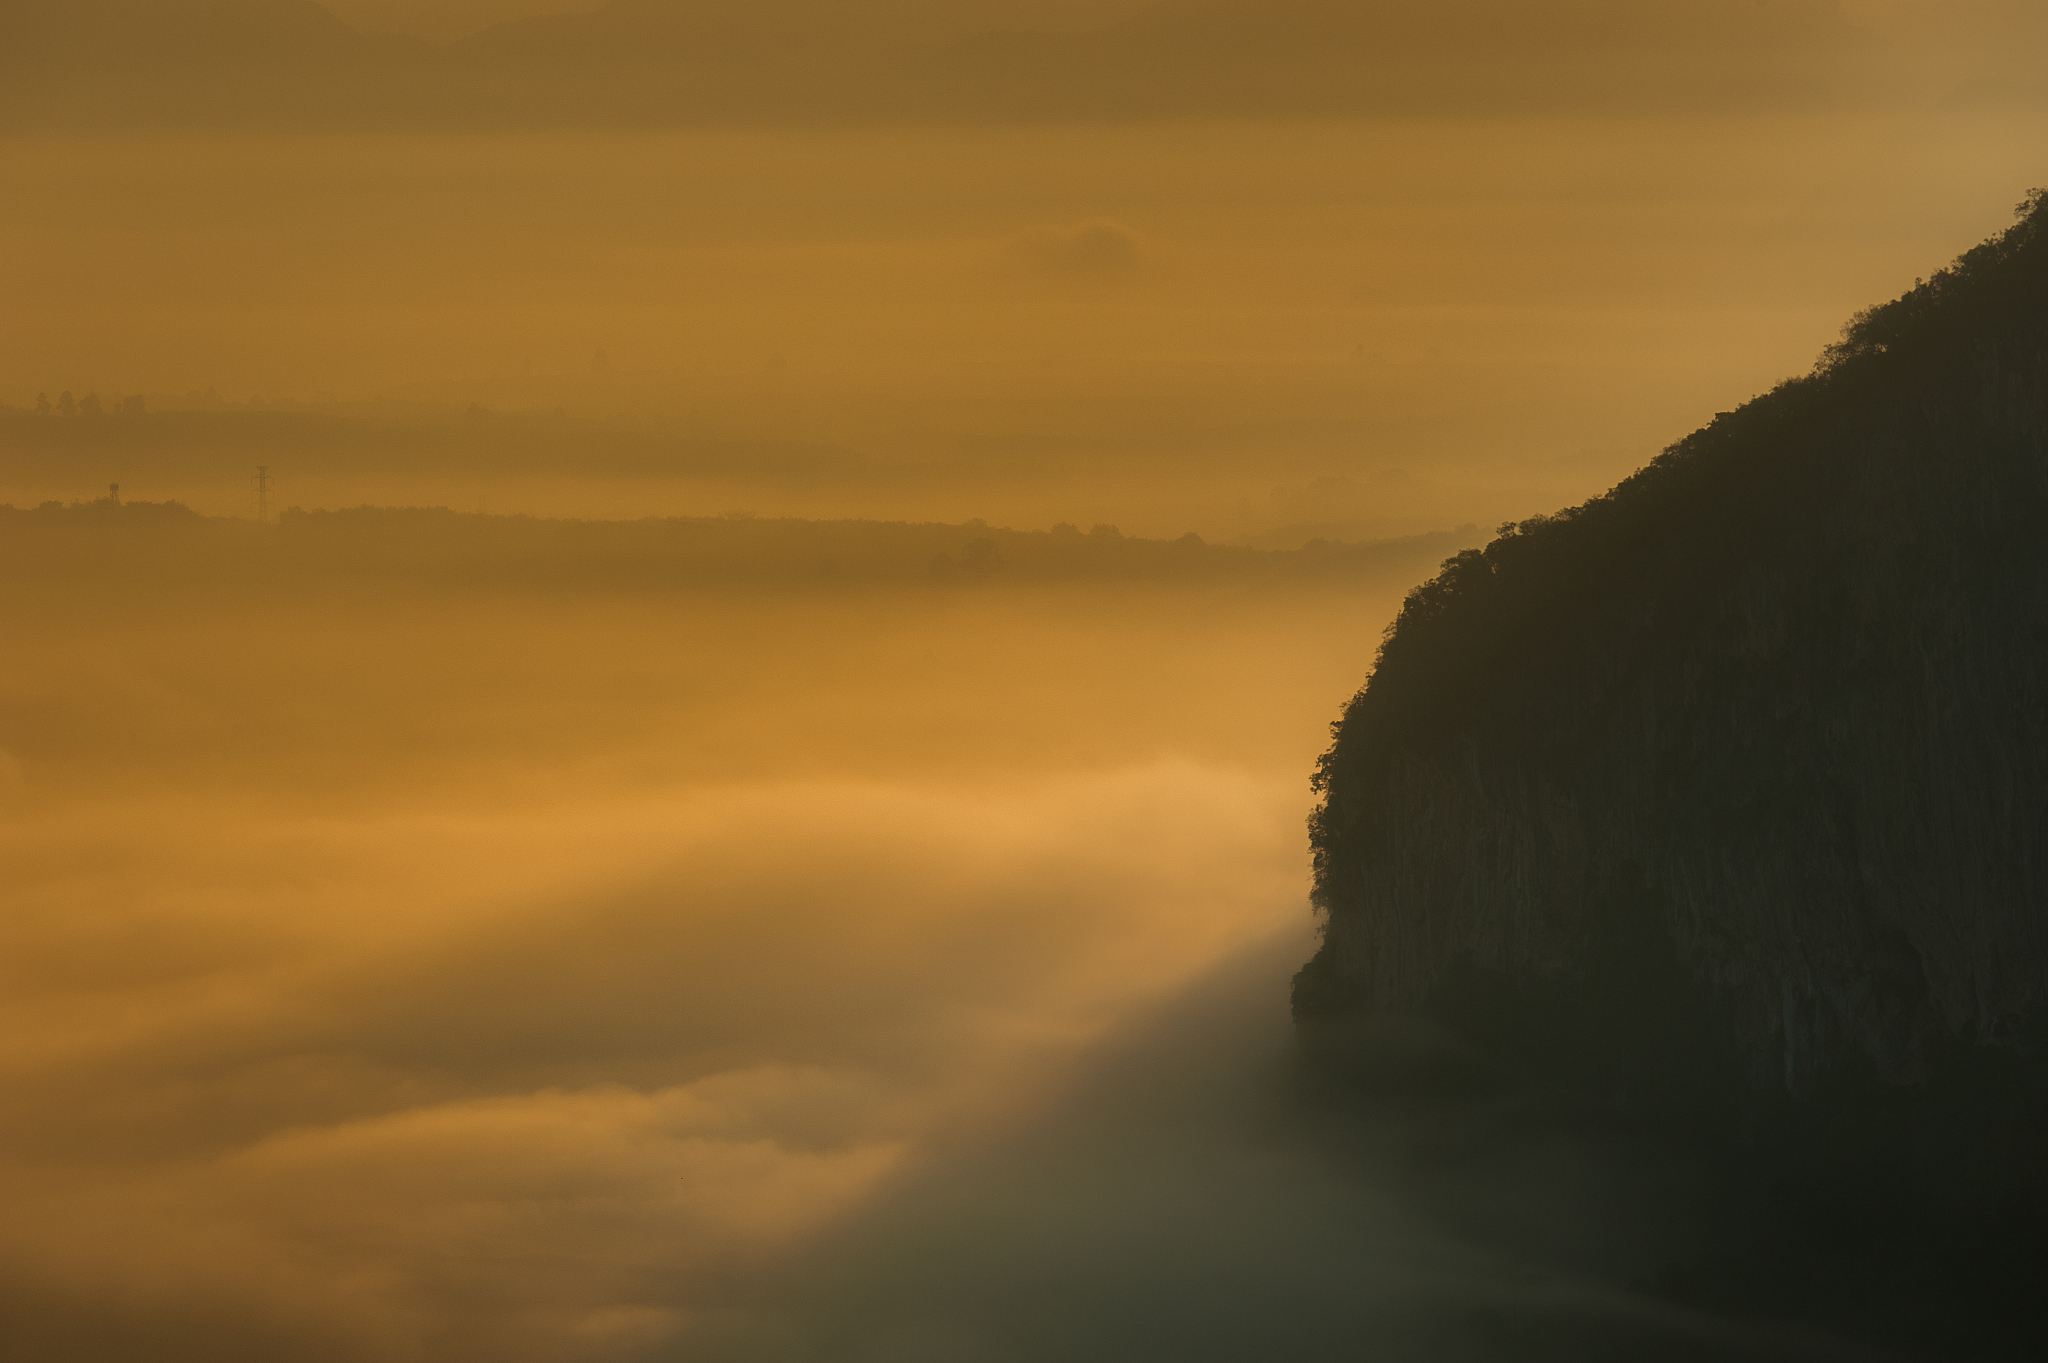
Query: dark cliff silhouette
x=1723, y=799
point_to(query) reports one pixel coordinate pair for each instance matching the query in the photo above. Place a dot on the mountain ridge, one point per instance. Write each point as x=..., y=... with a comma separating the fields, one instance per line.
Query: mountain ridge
x=1775, y=698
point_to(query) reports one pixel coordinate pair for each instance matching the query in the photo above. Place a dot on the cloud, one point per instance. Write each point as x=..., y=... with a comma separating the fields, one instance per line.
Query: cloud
x=566, y=1108
x=1099, y=249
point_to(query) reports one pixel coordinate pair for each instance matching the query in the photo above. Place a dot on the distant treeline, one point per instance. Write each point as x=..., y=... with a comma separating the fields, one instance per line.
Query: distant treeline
x=87, y=407
x=430, y=546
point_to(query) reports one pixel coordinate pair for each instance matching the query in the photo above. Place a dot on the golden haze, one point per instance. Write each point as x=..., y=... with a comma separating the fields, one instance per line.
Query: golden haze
x=482, y=948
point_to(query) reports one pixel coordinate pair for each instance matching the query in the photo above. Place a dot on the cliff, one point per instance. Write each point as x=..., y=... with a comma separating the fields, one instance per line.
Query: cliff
x=1750, y=754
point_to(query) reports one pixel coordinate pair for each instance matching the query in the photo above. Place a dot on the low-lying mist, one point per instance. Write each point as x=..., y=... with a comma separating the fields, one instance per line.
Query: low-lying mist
x=453, y=937
x=1193, y=1191
x=473, y=956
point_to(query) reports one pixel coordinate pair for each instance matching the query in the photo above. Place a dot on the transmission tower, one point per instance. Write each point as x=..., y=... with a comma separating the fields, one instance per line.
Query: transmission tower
x=262, y=482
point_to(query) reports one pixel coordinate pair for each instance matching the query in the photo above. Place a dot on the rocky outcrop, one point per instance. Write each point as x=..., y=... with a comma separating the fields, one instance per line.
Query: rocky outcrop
x=1767, y=724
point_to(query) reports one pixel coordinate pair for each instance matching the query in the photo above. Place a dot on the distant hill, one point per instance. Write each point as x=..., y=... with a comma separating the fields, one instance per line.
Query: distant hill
x=165, y=546
x=1304, y=534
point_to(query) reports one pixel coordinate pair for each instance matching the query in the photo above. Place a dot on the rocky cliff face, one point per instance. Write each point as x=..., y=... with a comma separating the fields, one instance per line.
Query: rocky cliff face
x=1766, y=726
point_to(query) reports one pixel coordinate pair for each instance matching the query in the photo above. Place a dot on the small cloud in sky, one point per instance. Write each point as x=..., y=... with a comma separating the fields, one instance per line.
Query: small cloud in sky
x=1099, y=249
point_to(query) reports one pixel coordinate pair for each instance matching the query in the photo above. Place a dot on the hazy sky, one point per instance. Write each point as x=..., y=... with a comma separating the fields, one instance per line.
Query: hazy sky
x=444, y=20
x=457, y=957
x=1155, y=325
x=289, y=63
